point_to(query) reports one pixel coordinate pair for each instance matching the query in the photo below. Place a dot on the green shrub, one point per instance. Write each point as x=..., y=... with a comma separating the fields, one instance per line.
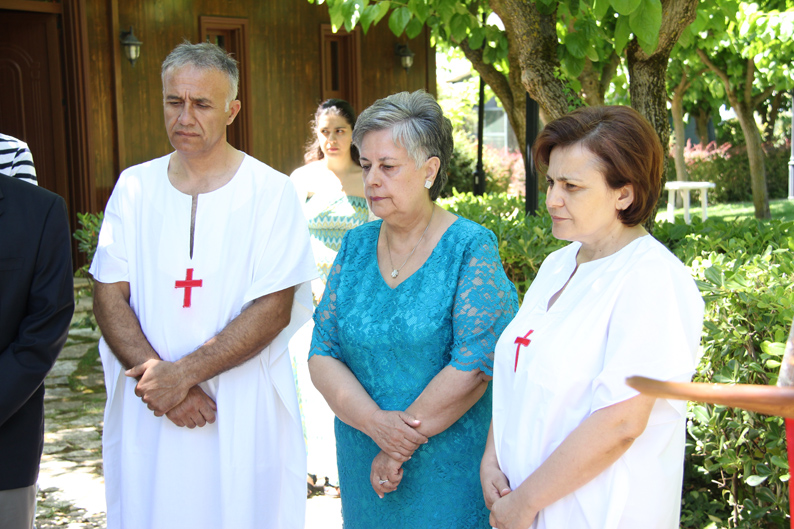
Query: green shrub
x=729, y=168
x=87, y=237
x=504, y=170
x=736, y=470
x=461, y=166
x=524, y=241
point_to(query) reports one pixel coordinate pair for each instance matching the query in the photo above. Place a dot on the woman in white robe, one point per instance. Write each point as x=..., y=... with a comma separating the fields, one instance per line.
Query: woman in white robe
x=570, y=444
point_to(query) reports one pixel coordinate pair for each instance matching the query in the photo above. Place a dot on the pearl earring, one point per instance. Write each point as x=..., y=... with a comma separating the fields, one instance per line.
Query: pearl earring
x=428, y=184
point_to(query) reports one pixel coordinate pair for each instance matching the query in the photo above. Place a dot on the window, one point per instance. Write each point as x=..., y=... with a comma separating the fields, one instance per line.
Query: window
x=497, y=131
x=341, y=72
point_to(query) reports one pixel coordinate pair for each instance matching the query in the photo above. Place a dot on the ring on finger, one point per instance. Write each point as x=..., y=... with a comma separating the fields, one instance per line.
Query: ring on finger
x=382, y=481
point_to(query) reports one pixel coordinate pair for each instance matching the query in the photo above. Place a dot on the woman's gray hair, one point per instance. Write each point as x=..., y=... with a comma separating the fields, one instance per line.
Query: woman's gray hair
x=417, y=124
x=204, y=56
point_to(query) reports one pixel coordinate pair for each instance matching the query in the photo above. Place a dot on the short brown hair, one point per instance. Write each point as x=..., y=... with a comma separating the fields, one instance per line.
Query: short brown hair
x=624, y=141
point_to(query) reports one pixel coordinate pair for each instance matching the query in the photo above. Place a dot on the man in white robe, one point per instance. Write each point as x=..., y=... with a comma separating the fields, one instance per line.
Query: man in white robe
x=202, y=276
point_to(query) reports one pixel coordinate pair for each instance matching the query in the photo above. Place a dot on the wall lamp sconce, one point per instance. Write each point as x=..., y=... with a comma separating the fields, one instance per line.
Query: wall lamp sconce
x=406, y=56
x=131, y=46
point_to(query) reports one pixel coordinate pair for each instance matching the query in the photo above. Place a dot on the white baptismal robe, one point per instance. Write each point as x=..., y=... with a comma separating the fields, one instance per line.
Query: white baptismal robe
x=248, y=469
x=636, y=312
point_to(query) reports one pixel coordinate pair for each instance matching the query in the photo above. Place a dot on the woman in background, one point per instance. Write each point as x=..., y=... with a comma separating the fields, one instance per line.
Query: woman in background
x=331, y=183
x=331, y=188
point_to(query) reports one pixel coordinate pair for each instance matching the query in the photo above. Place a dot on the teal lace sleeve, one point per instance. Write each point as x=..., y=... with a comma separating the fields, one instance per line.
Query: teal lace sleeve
x=485, y=302
x=325, y=339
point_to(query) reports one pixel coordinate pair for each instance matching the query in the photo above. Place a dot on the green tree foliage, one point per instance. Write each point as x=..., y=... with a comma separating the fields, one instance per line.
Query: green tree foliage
x=542, y=39
x=749, y=52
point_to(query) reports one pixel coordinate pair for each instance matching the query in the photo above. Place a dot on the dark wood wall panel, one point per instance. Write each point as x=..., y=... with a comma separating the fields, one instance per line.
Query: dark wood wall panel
x=287, y=58
x=284, y=46
x=381, y=71
x=100, y=78
x=160, y=26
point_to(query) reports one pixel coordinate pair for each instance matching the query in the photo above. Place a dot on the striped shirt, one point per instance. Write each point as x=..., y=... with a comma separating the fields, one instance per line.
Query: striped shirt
x=16, y=159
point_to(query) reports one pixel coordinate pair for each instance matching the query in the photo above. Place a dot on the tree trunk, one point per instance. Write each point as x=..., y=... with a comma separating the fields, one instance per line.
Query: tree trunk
x=508, y=89
x=518, y=119
x=702, y=115
x=647, y=91
x=677, y=106
x=533, y=37
x=647, y=83
x=755, y=153
x=647, y=72
x=774, y=111
x=530, y=36
x=681, y=173
x=590, y=80
x=608, y=73
x=595, y=83
x=752, y=136
x=518, y=108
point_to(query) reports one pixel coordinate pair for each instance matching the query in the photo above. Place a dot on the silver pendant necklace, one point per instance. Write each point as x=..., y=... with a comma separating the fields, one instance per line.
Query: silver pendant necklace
x=396, y=271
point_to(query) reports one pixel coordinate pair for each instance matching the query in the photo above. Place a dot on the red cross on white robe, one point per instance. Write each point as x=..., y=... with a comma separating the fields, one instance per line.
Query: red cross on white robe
x=188, y=284
x=525, y=341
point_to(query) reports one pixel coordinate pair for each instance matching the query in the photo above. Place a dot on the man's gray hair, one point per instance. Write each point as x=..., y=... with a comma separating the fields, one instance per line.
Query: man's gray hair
x=204, y=56
x=417, y=124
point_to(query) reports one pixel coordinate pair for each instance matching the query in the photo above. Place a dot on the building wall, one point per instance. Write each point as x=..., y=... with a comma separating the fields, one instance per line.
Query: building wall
x=284, y=47
x=100, y=79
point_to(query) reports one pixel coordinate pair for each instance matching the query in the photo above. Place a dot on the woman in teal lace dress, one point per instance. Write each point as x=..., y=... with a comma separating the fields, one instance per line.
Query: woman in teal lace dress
x=331, y=187
x=405, y=333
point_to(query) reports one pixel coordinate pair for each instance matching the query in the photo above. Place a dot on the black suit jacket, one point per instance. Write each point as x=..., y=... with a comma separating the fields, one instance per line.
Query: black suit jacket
x=36, y=306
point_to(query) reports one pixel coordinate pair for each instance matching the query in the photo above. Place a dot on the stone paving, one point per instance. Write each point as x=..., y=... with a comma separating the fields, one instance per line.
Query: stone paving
x=71, y=484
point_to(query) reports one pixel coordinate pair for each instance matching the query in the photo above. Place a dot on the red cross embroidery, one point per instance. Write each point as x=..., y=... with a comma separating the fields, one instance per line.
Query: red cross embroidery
x=525, y=341
x=188, y=284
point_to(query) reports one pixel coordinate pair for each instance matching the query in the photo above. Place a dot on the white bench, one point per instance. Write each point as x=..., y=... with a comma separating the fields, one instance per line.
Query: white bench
x=686, y=187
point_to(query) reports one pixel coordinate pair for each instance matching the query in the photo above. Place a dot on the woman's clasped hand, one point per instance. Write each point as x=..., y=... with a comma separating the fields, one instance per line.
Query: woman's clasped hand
x=512, y=512
x=395, y=432
x=385, y=475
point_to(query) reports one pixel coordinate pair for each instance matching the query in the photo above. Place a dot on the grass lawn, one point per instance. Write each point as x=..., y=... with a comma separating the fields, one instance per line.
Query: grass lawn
x=780, y=208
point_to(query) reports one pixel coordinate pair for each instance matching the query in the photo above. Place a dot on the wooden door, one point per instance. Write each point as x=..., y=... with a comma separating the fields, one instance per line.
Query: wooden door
x=31, y=98
x=231, y=34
